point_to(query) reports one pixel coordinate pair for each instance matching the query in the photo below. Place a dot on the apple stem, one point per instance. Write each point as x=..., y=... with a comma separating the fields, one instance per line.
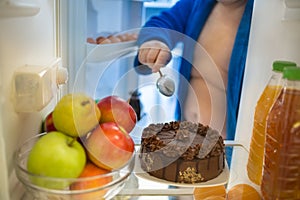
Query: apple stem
x=72, y=141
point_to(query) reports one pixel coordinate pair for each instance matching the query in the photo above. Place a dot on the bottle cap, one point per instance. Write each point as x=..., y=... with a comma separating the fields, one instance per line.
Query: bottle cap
x=291, y=73
x=279, y=65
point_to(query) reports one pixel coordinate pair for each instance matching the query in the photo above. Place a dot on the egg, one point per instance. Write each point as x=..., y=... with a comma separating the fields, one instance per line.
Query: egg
x=122, y=37
x=103, y=40
x=243, y=192
x=91, y=41
x=201, y=193
x=130, y=36
x=114, y=39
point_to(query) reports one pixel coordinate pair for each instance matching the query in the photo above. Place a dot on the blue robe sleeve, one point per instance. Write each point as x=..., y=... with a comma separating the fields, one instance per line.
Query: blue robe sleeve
x=162, y=26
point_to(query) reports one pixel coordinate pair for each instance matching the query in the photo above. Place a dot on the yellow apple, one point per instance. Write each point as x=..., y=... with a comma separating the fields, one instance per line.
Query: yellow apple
x=76, y=114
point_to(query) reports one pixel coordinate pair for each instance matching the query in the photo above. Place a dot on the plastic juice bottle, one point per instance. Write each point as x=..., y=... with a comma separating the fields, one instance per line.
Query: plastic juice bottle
x=266, y=100
x=281, y=171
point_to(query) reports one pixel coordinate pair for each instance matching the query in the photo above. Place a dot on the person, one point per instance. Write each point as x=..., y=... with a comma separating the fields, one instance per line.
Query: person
x=215, y=36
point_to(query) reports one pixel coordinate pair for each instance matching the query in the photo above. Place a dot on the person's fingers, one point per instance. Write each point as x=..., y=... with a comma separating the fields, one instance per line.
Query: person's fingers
x=152, y=55
x=155, y=54
x=142, y=55
x=148, y=56
x=163, y=57
x=143, y=51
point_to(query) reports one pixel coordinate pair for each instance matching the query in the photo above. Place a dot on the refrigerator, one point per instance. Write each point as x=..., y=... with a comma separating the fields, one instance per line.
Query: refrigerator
x=44, y=54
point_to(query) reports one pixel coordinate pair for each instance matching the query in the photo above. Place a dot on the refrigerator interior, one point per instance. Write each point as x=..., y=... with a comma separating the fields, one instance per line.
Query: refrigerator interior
x=274, y=35
x=107, y=72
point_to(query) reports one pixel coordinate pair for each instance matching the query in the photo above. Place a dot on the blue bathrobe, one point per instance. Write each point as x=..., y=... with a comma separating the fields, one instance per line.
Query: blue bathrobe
x=183, y=23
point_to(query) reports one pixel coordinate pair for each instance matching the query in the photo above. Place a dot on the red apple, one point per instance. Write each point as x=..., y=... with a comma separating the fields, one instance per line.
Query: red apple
x=115, y=109
x=91, y=177
x=48, y=124
x=109, y=146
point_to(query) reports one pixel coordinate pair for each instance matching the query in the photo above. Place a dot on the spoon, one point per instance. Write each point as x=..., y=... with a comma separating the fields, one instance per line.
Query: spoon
x=165, y=85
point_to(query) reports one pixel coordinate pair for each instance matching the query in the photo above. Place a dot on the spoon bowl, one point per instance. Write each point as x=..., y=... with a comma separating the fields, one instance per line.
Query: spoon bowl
x=165, y=85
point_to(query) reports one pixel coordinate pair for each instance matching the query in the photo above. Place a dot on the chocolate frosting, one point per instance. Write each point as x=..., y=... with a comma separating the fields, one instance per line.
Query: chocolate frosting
x=185, y=137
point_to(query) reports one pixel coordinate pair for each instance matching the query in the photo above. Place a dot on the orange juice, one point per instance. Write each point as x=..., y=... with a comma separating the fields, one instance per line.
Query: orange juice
x=256, y=154
x=266, y=100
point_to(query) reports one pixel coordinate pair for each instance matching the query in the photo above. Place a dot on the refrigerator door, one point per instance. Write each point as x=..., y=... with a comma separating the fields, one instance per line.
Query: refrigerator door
x=274, y=36
x=28, y=37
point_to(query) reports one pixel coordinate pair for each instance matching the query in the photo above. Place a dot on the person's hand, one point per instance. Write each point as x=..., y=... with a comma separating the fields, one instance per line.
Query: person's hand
x=155, y=54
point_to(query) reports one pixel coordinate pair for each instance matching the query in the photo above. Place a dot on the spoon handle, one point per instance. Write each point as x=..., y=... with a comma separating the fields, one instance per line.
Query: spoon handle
x=161, y=75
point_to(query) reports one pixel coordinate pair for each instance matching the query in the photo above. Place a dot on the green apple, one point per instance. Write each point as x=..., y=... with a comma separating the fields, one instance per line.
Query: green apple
x=55, y=155
x=76, y=114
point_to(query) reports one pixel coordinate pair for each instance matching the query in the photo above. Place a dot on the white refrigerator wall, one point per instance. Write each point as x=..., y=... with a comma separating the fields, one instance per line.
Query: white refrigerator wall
x=24, y=40
x=275, y=35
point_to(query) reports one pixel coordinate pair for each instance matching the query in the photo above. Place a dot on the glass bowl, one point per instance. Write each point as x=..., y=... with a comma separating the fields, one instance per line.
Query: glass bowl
x=108, y=191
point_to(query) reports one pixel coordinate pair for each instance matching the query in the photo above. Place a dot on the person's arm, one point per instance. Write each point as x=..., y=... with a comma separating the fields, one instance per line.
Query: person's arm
x=159, y=35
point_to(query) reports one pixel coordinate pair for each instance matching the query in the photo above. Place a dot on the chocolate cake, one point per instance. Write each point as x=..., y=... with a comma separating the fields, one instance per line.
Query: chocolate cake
x=182, y=152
